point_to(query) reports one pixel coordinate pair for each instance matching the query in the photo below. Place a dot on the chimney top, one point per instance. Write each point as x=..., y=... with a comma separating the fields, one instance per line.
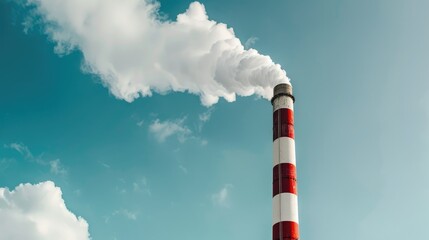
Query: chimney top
x=283, y=89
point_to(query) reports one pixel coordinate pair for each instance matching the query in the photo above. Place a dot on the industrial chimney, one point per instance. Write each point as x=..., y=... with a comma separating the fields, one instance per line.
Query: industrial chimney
x=285, y=194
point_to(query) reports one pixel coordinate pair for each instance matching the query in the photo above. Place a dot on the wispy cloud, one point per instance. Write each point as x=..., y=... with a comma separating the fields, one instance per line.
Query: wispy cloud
x=55, y=166
x=140, y=123
x=5, y=163
x=183, y=168
x=126, y=213
x=21, y=148
x=142, y=185
x=250, y=42
x=203, y=118
x=221, y=198
x=105, y=165
x=204, y=142
x=162, y=130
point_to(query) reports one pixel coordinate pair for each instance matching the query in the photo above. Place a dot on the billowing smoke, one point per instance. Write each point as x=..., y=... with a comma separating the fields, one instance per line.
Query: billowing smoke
x=136, y=52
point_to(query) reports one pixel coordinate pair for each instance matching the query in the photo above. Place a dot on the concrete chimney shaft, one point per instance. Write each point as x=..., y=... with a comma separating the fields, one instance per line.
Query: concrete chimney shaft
x=285, y=191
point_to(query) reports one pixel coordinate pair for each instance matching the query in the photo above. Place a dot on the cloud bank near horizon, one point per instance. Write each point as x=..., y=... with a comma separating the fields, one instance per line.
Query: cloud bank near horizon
x=136, y=52
x=41, y=214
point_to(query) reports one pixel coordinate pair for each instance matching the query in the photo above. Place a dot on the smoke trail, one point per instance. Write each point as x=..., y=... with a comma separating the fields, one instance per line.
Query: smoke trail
x=135, y=52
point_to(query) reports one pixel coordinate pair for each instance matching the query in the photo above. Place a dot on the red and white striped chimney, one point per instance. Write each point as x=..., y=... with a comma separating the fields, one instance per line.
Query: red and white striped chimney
x=285, y=194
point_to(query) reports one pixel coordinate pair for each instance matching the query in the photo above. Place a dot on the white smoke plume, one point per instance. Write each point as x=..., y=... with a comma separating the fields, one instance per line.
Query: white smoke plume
x=136, y=52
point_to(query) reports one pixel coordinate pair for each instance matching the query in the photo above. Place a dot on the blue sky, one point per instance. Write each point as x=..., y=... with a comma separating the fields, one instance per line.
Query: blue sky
x=360, y=75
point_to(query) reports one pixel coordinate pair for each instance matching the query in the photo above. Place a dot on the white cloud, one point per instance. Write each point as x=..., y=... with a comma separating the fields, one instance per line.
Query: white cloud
x=38, y=212
x=163, y=130
x=221, y=198
x=135, y=52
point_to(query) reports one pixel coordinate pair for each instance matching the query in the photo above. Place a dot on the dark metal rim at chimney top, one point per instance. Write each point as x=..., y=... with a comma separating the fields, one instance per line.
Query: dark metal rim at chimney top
x=282, y=89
